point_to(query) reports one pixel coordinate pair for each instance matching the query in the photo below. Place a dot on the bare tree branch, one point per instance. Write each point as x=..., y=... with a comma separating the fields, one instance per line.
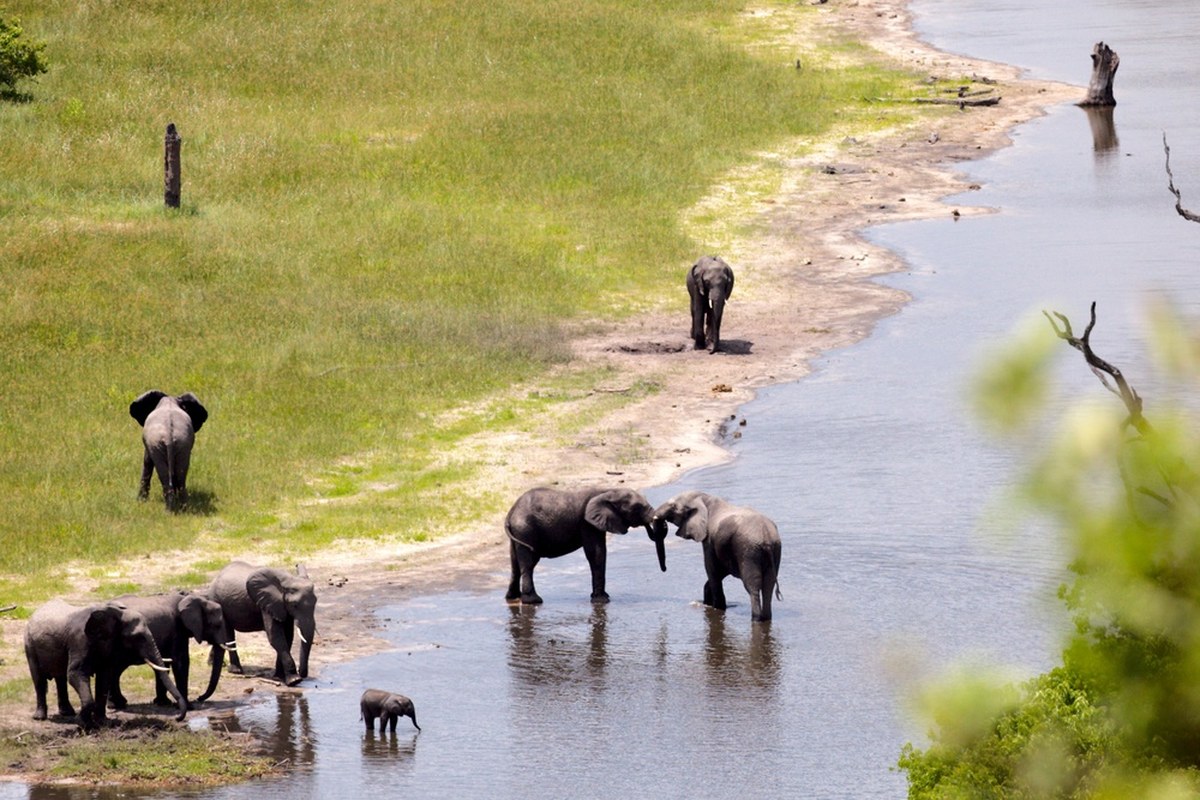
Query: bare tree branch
x=1183, y=212
x=1102, y=369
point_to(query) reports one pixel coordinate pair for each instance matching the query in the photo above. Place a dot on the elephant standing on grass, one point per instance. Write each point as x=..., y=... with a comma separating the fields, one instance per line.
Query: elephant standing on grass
x=173, y=620
x=548, y=523
x=709, y=283
x=388, y=707
x=270, y=600
x=169, y=427
x=737, y=541
x=70, y=644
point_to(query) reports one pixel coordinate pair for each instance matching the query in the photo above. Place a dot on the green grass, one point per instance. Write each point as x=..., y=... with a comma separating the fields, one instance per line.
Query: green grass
x=389, y=210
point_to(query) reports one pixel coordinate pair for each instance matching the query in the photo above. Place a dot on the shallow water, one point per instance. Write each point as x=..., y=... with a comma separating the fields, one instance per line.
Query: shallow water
x=877, y=475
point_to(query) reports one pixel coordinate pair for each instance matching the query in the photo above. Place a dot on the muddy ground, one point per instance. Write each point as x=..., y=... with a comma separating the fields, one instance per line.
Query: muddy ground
x=803, y=288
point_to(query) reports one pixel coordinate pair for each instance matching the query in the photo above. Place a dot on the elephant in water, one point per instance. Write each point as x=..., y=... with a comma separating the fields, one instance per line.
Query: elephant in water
x=737, y=541
x=548, y=523
x=388, y=707
x=169, y=427
x=709, y=283
x=71, y=644
x=173, y=620
x=270, y=600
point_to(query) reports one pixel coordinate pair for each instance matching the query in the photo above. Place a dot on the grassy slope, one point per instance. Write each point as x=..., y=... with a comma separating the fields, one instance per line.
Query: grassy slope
x=388, y=210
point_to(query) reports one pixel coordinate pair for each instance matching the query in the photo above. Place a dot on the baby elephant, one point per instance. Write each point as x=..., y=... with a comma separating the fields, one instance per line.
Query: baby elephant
x=388, y=707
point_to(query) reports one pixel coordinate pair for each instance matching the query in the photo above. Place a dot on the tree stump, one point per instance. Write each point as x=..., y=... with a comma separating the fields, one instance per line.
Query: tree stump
x=171, y=178
x=1104, y=69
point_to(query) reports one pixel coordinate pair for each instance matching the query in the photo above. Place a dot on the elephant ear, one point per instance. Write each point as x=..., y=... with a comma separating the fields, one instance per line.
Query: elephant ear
x=694, y=519
x=265, y=591
x=191, y=405
x=103, y=624
x=602, y=512
x=191, y=612
x=140, y=408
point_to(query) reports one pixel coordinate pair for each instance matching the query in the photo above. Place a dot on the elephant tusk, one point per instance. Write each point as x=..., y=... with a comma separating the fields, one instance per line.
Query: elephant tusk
x=157, y=667
x=230, y=646
x=302, y=637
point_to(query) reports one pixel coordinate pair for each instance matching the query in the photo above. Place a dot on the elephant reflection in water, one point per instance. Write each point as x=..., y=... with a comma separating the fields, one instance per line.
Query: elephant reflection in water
x=390, y=748
x=735, y=660
x=291, y=741
x=541, y=655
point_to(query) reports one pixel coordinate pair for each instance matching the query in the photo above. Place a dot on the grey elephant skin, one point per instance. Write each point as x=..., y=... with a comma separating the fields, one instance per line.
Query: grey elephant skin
x=709, y=284
x=548, y=523
x=737, y=541
x=388, y=707
x=169, y=428
x=71, y=645
x=271, y=600
x=174, y=619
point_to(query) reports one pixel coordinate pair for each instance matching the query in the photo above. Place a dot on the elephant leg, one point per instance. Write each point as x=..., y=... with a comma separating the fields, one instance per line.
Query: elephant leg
x=116, y=700
x=714, y=592
x=527, y=560
x=229, y=636
x=147, y=471
x=88, y=716
x=40, y=685
x=181, y=668
x=699, y=307
x=514, y=583
x=65, y=709
x=280, y=635
x=597, y=556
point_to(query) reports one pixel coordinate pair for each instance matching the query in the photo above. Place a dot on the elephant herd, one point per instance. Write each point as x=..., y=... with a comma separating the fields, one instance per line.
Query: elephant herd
x=78, y=645
x=75, y=645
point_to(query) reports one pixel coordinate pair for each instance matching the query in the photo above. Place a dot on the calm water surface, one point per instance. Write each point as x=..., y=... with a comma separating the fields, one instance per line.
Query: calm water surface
x=880, y=482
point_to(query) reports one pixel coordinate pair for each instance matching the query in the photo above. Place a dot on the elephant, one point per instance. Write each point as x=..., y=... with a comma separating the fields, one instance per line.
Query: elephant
x=169, y=427
x=271, y=600
x=737, y=541
x=173, y=619
x=709, y=283
x=388, y=707
x=548, y=523
x=71, y=644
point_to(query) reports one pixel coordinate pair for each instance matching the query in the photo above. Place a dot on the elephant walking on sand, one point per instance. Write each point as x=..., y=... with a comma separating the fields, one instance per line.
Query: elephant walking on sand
x=173, y=620
x=169, y=427
x=709, y=283
x=70, y=645
x=388, y=707
x=737, y=541
x=271, y=600
x=548, y=523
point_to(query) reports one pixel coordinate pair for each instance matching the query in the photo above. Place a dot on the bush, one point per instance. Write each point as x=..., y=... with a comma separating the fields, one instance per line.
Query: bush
x=18, y=59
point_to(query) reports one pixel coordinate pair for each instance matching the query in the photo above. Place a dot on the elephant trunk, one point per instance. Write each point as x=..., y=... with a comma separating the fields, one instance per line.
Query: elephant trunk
x=152, y=657
x=657, y=530
x=217, y=659
x=717, y=296
x=308, y=632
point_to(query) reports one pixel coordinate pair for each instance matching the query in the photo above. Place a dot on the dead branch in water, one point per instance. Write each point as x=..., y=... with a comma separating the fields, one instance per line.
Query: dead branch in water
x=1183, y=212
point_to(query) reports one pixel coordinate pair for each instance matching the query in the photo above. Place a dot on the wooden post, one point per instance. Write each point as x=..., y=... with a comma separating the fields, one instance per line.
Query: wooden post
x=1104, y=69
x=171, y=178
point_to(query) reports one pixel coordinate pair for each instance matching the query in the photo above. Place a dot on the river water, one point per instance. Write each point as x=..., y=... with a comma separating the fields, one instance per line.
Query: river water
x=883, y=486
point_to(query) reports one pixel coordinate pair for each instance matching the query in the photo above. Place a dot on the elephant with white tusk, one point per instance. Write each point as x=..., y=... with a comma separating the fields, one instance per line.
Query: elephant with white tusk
x=70, y=645
x=169, y=428
x=271, y=600
x=173, y=620
x=737, y=541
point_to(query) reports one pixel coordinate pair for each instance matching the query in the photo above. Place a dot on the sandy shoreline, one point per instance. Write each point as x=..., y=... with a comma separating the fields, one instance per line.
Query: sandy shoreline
x=803, y=288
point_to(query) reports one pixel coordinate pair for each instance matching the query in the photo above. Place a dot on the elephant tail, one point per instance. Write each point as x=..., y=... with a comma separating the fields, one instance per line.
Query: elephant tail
x=509, y=533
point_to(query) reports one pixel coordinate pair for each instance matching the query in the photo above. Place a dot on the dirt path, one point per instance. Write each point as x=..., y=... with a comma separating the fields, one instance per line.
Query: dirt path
x=803, y=288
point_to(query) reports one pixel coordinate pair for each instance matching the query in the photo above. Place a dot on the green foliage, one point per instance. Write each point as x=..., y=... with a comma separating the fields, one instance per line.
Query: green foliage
x=1121, y=716
x=19, y=57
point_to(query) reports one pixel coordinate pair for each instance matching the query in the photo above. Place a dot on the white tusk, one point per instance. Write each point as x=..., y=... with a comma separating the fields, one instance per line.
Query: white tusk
x=302, y=636
x=157, y=667
x=230, y=646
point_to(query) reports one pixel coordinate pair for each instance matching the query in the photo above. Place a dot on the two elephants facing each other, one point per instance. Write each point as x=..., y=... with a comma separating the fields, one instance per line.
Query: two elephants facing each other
x=548, y=523
x=72, y=645
x=169, y=427
x=271, y=600
x=709, y=284
x=737, y=541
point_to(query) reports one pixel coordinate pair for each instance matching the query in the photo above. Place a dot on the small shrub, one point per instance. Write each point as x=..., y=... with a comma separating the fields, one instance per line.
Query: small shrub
x=18, y=58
